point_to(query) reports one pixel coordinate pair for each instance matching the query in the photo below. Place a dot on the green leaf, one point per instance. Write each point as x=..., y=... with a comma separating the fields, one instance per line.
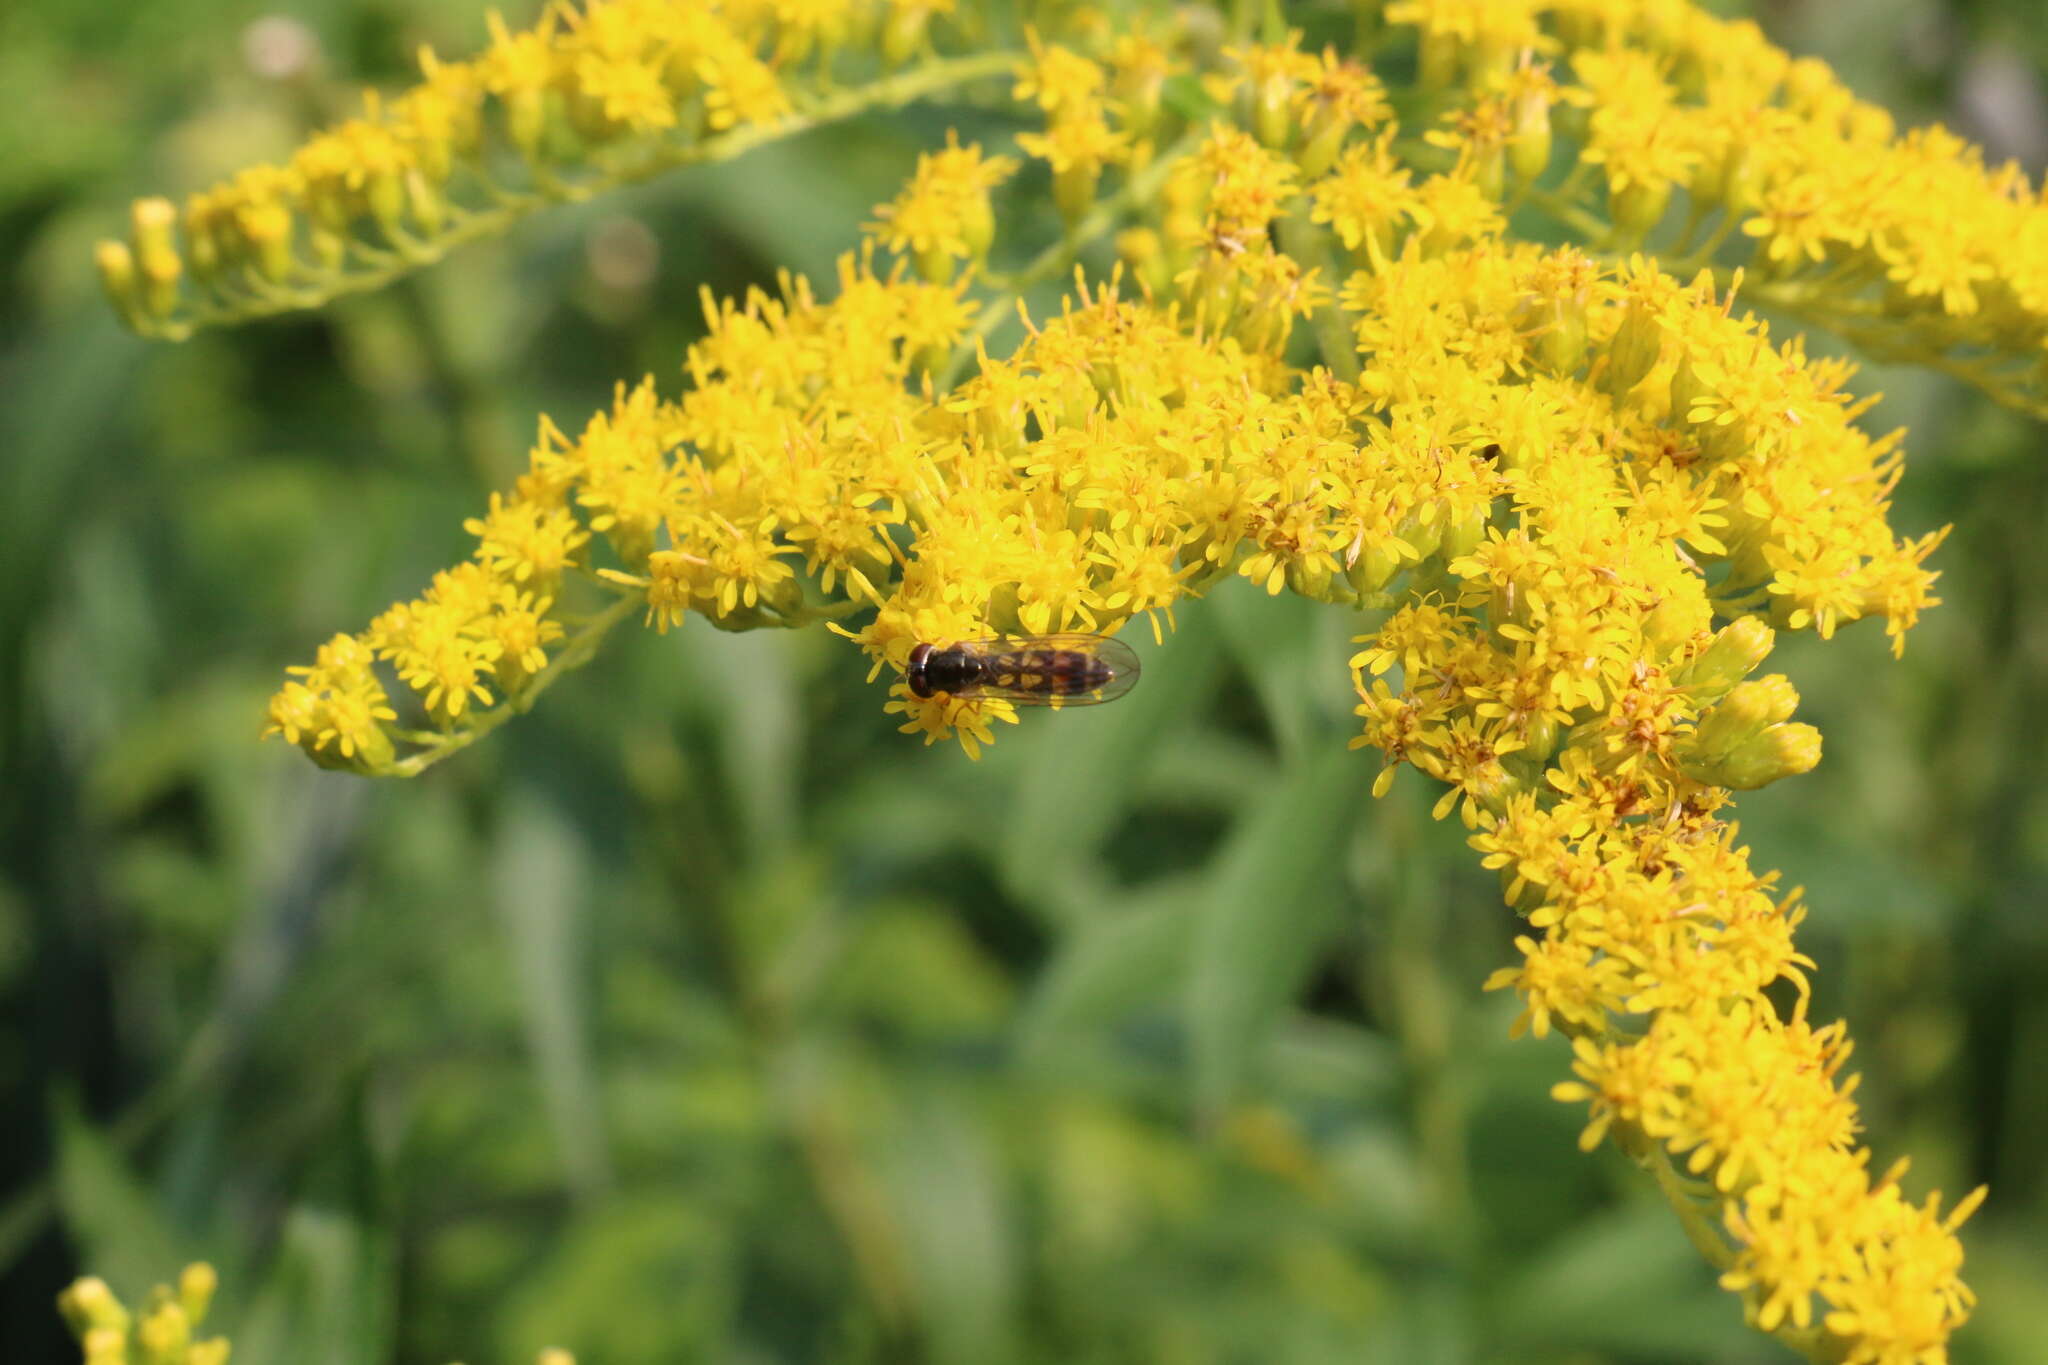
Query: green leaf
x=946, y=1187
x=329, y=1294
x=642, y=1279
x=1111, y=965
x=1625, y=1282
x=111, y=1213
x=1293, y=651
x=328, y=1298
x=1268, y=906
x=541, y=869
x=1085, y=769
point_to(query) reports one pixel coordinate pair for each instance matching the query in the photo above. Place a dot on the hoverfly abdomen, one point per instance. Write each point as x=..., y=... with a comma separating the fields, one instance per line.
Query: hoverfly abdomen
x=1035, y=670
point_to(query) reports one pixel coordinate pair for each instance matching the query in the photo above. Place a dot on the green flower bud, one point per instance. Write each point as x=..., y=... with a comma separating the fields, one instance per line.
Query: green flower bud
x=117, y=276
x=1073, y=191
x=1375, y=567
x=164, y=1335
x=1637, y=208
x=1310, y=577
x=1747, y=711
x=1736, y=651
x=1464, y=536
x=1780, y=751
x=1529, y=143
x=88, y=1305
x=196, y=1286
x=1637, y=346
x=156, y=255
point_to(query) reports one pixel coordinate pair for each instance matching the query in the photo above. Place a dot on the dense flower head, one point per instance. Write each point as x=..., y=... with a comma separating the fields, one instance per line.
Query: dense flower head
x=607, y=91
x=1574, y=490
x=160, y=1332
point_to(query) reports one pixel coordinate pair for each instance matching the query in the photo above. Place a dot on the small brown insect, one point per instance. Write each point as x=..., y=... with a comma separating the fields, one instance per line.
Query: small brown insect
x=1031, y=670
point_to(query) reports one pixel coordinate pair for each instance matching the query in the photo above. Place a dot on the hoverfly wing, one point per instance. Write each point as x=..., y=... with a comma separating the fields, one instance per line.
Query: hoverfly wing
x=1065, y=669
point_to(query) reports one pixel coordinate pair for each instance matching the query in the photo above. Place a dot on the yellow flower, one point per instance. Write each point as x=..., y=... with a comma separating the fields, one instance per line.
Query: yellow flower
x=944, y=213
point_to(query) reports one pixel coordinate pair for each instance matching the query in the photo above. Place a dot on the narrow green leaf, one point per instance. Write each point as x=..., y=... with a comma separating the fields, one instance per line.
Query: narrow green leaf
x=1269, y=903
x=1086, y=767
x=1112, y=964
x=1293, y=652
x=111, y=1213
x=540, y=872
x=946, y=1185
x=328, y=1297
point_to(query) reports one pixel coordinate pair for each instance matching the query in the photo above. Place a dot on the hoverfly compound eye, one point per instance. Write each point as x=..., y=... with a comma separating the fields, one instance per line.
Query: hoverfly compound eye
x=920, y=685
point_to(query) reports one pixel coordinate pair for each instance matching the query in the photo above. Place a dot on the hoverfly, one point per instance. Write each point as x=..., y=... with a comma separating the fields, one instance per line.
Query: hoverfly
x=1031, y=670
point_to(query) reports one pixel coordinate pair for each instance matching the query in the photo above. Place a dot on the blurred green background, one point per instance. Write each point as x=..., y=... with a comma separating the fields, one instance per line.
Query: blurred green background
x=700, y=1016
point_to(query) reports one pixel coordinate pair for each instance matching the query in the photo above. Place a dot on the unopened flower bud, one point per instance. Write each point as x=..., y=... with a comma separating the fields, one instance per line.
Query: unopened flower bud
x=903, y=32
x=1736, y=651
x=1541, y=737
x=164, y=1335
x=385, y=194
x=1310, y=577
x=1561, y=346
x=1463, y=536
x=1686, y=391
x=117, y=276
x=526, y=121
x=1529, y=141
x=196, y=1286
x=1638, y=207
x=425, y=203
x=1438, y=61
x=1144, y=253
x=1073, y=191
x=1376, y=564
x=1638, y=344
x=1747, y=711
x=105, y=1346
x=156, y=254
x=88, y=1305
x=1777, y=752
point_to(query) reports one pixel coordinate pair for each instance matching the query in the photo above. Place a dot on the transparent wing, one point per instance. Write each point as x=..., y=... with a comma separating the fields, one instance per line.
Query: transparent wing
x=1067, y=669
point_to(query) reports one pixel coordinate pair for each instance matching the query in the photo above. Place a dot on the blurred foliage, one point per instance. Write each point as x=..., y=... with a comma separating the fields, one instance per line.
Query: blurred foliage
x=704, y=1017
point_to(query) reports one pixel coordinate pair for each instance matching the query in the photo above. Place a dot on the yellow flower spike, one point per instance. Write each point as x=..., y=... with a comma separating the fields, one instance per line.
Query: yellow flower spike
x=1265, y=80
x=89, y=1305
x=105, y=1346
x=554, y=1355
x=1529, y=94
x=213, y=1351
x=157, y=263
x=116, y=264
x=1337, y=96
x=944, y=214
x=196, y=1286
x=164, y=1335
x=1078, y=144
x=1139, y=67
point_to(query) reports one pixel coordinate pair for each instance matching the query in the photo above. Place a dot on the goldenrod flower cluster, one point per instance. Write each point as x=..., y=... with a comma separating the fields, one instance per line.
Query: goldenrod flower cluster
x=590, y=97
x=161, y=1334
x=1909, y=243
x=1578, y=488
